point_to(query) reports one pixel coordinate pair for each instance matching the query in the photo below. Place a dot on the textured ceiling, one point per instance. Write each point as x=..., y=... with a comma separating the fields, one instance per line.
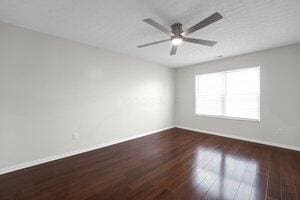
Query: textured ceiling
x=247, y=26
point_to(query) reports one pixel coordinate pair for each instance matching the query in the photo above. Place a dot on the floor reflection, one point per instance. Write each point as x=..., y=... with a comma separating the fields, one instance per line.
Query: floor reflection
x=221, y=175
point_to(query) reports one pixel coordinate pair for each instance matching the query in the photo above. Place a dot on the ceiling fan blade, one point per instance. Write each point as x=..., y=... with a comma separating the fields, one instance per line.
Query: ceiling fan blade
x=173, y=50
x=199, y=41
x=158, y=26
x=152, y=43
x=209, y=20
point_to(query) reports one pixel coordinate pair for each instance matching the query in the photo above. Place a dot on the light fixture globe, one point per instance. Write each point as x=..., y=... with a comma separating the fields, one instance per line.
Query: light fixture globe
x=177, y=40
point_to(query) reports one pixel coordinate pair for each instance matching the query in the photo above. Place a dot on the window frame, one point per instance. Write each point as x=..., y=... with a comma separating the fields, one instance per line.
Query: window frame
x=224, y=116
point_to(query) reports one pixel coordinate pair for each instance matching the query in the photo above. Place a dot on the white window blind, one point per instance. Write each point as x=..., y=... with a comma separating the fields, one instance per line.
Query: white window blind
x=233, y=94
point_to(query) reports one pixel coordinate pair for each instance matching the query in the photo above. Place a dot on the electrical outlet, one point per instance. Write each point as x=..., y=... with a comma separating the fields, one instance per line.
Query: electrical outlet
x=279, y=131
x=75, y=136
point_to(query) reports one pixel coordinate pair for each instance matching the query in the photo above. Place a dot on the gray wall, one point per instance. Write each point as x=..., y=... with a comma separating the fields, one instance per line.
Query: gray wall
x=51, y=88
x=280, y=96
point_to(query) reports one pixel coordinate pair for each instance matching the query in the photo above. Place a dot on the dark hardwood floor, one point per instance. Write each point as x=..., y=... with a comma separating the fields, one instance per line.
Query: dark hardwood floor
x=173, y=164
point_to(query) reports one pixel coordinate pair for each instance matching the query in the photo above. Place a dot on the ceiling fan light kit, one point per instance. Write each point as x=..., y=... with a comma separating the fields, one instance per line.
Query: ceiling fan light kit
x=176, y=40
x=177, y=35
x=177, y=30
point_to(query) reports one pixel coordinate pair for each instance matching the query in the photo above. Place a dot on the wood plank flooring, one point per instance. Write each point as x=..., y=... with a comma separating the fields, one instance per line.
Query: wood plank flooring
x=173, y=164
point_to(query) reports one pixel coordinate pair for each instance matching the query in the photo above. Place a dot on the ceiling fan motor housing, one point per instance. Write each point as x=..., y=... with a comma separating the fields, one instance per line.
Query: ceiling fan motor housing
x=177, y=29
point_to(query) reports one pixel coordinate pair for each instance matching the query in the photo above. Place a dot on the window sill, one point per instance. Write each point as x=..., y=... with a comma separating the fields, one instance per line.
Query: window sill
x=226, y=117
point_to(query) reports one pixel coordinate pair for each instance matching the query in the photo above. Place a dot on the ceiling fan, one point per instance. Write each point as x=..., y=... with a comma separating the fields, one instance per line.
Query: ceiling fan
x=178, y=35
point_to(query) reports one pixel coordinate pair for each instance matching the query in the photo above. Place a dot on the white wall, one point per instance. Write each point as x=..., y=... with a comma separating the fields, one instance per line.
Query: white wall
x=280, y=96
x=51, y=88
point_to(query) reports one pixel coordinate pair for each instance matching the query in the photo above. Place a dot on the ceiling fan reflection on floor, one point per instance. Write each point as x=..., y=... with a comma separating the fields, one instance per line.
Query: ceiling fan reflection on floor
x=178, y=35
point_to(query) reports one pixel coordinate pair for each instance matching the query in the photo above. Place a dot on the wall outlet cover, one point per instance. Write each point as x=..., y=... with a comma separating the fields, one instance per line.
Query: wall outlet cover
x=75, y=136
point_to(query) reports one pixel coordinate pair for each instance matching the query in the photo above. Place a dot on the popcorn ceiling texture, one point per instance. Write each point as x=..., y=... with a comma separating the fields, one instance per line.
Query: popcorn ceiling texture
x=247, y=26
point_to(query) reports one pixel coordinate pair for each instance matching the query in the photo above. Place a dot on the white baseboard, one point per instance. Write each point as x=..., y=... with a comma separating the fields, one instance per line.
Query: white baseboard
x=285, y=146
x=75, y=152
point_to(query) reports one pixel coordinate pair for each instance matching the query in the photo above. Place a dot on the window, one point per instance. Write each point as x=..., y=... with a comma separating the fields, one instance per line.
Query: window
x=232, y=94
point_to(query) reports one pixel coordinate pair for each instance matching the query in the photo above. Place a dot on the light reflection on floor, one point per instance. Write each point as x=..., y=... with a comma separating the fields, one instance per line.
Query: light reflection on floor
x=224, y=176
